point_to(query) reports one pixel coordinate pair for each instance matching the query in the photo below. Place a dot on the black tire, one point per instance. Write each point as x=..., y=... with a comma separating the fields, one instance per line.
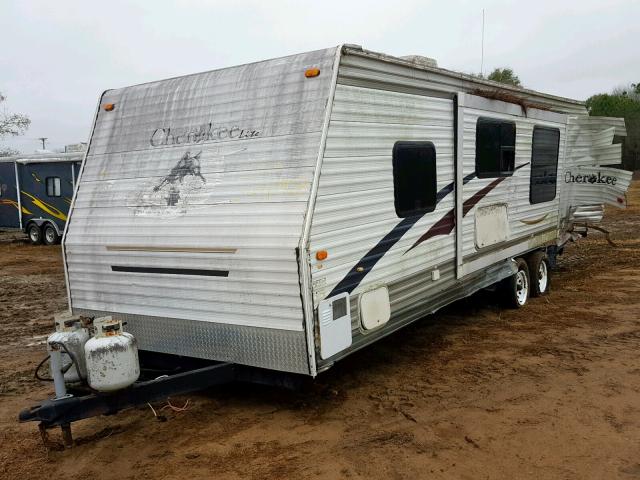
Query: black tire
x=50, y=235
x=35, y=234
x=539, y=273
x=515, y=289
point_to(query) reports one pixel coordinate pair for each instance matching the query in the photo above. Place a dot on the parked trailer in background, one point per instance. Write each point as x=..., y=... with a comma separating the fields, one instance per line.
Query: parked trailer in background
x=286, y=213
x=36, y=193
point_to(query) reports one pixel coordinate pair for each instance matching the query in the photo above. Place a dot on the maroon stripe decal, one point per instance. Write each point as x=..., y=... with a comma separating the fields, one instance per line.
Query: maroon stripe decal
x=445, y=225
x=479, y=195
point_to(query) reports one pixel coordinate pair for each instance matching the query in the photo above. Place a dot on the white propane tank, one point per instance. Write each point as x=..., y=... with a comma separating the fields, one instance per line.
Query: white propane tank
x=70, y=333
x=111, y=356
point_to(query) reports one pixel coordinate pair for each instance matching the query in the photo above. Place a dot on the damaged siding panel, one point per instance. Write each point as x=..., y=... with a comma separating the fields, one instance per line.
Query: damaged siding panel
x=589, y=146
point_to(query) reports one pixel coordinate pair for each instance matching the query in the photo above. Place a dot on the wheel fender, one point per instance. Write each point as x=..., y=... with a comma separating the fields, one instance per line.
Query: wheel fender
x=42, y=223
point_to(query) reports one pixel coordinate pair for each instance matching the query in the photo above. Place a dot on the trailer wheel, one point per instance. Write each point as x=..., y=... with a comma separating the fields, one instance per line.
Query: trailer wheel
x=50, y=235
x=516, y=288
x=35, y=234
x=540, y=272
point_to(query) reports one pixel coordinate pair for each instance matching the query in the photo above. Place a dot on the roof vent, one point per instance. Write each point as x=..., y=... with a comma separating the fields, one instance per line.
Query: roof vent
x=420, y=60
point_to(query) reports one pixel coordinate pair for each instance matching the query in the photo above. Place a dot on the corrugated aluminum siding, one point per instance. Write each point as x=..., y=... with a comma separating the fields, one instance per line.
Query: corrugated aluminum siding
x=355, y=204
x=590, y=144
x=242, y=212
x=378, y=70
x=376, y=104
x=524, y=218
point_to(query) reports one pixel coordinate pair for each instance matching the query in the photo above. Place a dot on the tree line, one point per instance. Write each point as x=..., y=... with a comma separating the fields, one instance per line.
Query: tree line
x=11, y=125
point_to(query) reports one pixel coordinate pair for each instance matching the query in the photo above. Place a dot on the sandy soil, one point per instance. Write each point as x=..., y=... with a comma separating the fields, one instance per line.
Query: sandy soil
x=549, y=391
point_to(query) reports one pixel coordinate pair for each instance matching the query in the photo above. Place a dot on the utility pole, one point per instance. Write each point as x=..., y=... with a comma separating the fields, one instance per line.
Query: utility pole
x=42, y=139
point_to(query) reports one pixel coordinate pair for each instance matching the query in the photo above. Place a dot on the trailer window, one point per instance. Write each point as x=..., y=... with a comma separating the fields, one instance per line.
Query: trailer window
x=414, y=178
x=544, y=164
x=495, y=147
x=53, y=186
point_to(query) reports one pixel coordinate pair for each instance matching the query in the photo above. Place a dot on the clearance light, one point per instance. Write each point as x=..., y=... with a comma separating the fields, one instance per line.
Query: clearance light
x=109, y=106
x=312, y=72
x=321, y=255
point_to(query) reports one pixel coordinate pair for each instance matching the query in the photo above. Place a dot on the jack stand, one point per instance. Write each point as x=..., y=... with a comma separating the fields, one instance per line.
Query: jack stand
x=67, y=438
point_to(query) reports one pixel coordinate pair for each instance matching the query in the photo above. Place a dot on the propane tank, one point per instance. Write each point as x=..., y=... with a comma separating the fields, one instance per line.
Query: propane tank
x=111, y=356
x=69, y=340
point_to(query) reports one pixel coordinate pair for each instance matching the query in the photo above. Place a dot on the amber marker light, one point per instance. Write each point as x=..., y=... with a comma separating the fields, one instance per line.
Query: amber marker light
x=109, y=106
x=321, y=255
x=312, y=72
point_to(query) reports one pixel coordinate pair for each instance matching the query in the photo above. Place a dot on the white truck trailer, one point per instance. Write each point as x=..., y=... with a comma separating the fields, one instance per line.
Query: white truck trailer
x=286, y=213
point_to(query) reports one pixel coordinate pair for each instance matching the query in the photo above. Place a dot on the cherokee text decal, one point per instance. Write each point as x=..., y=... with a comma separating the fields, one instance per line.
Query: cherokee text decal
x=207, y=132
x=593, y=178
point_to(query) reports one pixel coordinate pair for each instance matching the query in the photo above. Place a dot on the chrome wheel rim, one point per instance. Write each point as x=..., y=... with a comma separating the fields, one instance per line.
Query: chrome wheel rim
x=33, y=235
x=50, y=235
x=543, y=277
x=522, y=287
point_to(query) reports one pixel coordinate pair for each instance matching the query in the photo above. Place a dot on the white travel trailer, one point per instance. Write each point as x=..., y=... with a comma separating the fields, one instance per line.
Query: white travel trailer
x=285, y=213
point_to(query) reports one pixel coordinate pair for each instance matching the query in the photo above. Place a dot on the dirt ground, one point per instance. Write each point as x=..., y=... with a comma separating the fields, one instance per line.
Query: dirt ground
x=549, y=391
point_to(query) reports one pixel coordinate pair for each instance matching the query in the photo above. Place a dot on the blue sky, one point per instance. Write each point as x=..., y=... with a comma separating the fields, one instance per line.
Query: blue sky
x=57, y=57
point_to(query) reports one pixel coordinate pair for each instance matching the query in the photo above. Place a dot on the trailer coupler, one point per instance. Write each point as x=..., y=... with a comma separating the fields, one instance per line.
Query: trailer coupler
x=63, y=411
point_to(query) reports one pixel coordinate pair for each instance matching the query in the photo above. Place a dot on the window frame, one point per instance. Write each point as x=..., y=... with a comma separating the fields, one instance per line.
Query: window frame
x=59, y=185
x=500, y=122
x=397, y=188
x=557, y=157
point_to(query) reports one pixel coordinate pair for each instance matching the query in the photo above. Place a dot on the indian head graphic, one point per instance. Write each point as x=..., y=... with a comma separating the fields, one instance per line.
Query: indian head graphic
x=173, y=193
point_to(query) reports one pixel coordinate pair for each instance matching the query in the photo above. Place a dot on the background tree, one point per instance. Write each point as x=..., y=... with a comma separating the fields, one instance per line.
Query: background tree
x=8, y=151
x=11, y=125
x=505, y=75
x=631, y=90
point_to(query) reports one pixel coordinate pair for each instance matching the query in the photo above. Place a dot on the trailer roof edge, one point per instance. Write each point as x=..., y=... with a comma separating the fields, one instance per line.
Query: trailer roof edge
x=44, y=158
x=480, y=82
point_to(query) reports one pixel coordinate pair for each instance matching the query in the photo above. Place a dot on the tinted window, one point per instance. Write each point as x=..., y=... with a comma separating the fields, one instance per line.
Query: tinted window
x=53, y=186
x=495, y=147
x=414, y=178
x=544, y=164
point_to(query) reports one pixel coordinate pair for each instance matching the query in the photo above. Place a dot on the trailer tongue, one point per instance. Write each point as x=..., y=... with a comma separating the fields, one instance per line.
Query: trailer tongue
x=61, y=412
x=182, y=376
